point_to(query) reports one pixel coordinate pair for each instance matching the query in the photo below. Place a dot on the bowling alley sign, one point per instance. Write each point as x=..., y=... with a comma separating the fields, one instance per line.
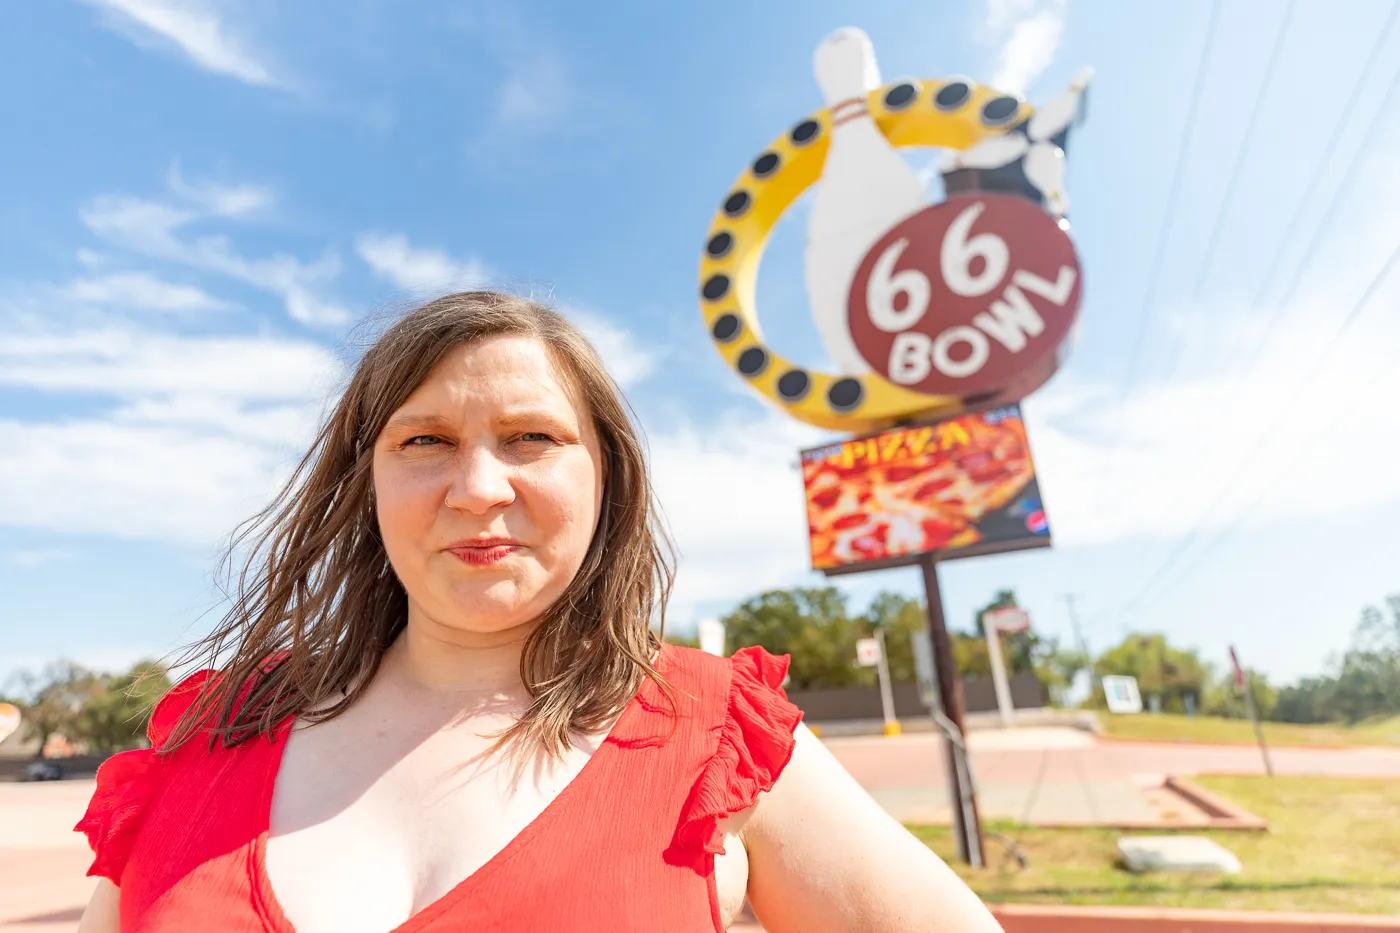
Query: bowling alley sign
x=927, y=310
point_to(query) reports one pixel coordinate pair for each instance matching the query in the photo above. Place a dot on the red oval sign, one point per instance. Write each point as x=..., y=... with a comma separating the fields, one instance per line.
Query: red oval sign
x=966, y=297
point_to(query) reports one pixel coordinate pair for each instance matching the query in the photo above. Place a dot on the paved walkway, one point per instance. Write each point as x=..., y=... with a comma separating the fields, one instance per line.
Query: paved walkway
x=1051, y=774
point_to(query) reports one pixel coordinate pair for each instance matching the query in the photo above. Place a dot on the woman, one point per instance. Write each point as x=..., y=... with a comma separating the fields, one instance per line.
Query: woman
x=440, y=706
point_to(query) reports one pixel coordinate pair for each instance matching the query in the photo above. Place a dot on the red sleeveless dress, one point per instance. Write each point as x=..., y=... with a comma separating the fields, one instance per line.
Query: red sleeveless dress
x=628, y=845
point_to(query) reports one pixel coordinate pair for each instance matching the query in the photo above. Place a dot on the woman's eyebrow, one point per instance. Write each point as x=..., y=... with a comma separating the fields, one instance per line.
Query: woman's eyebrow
x=526, y=416
x=415, y=422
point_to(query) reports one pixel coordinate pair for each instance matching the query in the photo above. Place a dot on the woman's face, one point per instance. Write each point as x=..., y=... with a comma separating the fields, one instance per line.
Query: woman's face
x=488, y=482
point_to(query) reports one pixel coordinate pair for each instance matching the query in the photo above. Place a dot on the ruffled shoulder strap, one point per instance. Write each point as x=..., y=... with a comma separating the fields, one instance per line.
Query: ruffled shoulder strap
x=128, y=781
x=755, y=745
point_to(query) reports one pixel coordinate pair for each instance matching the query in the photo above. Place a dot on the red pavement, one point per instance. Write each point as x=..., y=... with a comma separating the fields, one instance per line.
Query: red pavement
x=912, y=760
x=41, y=862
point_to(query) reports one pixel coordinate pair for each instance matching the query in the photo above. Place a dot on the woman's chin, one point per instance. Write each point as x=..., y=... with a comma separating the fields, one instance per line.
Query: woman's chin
x=495, y=606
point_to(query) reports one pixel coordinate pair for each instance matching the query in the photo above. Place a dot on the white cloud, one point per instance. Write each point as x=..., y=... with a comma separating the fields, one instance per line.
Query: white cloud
x=428, y=271
x=35, y=558
x=238, y=200
x=626, y=359
x=193, y=28
x=91, y=476
x=732, y=495
x=201, y=431
x=416, y=268
x=128, y=363
x=141, y=290
x=534, y=94
x=1215, y=447
x=155, y=229
x=1028, y=34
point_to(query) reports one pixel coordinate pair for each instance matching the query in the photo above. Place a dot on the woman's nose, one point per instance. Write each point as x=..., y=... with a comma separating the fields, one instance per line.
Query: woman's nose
x=481, y=482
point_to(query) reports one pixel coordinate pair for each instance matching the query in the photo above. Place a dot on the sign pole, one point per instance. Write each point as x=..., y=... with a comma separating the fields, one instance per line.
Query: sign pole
x=1245, y=684
x=948, y=696
x=998, y=665
x=886, y=693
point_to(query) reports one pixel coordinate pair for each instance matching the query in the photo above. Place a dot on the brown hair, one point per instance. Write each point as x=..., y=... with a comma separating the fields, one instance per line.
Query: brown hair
x=315, y=603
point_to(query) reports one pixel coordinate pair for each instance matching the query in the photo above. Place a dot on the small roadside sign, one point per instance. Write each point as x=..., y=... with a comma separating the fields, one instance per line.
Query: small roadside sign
x=1122, y=694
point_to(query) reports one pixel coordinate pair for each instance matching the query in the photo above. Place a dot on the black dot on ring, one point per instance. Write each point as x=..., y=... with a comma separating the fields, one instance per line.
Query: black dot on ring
x=716, y=287
x=753, y=361
x=900, y=96
x=765, y=164
x=999, y=110
x=952, y=96
x=736, y=203
x=805, y=132
x=719, y=244
x=793, y=385
x=727, y=326
x=845, y=394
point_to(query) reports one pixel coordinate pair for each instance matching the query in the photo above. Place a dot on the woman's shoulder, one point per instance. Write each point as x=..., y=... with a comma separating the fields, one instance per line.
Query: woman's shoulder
x=754, y=725
x=128, y=781
x=750, y=671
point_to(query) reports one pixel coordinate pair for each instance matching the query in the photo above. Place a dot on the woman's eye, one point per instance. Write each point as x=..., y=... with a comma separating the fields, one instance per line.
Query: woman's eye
x=423, y=440
x=535, y=437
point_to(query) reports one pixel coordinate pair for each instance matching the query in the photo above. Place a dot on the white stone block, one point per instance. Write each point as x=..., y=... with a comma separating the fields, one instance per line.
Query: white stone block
x=1177, y=853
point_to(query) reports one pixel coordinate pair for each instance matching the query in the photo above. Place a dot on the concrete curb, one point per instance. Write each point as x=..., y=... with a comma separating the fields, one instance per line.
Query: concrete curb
x=1223, y=813
x=1052, y=918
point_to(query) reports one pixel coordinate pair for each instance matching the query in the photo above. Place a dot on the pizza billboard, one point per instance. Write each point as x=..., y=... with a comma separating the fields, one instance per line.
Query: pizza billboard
x=965, y=487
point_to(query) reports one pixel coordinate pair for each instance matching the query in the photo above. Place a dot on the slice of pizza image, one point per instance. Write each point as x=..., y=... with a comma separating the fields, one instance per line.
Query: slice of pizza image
x=926, y=494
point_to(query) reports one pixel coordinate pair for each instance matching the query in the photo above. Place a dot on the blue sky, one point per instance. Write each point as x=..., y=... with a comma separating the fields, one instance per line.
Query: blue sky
x=204, y=203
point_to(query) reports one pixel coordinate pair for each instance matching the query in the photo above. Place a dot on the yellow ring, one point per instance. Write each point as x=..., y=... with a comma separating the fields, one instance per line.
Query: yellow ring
x=755, y=202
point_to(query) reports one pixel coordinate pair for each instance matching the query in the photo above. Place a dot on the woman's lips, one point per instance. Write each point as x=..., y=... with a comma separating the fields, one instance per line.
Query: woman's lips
x=483, y=555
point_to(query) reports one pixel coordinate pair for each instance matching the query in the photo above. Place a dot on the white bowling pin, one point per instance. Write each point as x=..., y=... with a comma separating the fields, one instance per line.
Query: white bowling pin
x=1059, y=113
x=1044, y=166
x=865, y=189
x=992, y=152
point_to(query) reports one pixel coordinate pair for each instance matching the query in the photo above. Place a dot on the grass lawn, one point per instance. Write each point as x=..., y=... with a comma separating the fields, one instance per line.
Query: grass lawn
x=1333, y=846
x=1169, y=728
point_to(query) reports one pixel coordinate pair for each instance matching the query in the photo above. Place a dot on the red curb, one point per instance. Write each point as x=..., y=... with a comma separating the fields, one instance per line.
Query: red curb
x=1223, y=813
x=1049, y=918
x=1104, y=739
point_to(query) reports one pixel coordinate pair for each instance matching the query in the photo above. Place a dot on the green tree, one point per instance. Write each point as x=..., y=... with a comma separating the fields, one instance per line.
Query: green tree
x=116, y=712
x=683, y=641
x=54, y=697
x=1366, y=679
x=102, y=712
x=902, y=618
x=812, y=625
x=1309, y=700
x=1220, y=696
x=1160, y=669
x=1058, y=667
x=1020, y=650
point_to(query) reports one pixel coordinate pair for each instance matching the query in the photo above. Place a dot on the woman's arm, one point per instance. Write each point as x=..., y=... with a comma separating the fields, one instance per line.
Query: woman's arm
x=826, y=858
x=102, y=914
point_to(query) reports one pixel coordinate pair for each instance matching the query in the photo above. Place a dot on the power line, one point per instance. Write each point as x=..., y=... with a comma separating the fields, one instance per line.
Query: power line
x=1329, y=213
x=1338, y=129
x=1233, y=183
x=1264, y=438
x=1080, y=643
x=1163, y=234
x=1233, y=526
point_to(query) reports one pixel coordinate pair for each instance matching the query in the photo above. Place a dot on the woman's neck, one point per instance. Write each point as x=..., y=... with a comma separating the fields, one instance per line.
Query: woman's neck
x=434, y=658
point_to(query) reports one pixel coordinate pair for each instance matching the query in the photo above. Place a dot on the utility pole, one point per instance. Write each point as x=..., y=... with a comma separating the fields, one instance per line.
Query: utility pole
x=1070, y=599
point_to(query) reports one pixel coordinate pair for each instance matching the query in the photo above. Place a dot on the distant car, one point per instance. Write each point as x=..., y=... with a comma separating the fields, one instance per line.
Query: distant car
x=43, y=771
